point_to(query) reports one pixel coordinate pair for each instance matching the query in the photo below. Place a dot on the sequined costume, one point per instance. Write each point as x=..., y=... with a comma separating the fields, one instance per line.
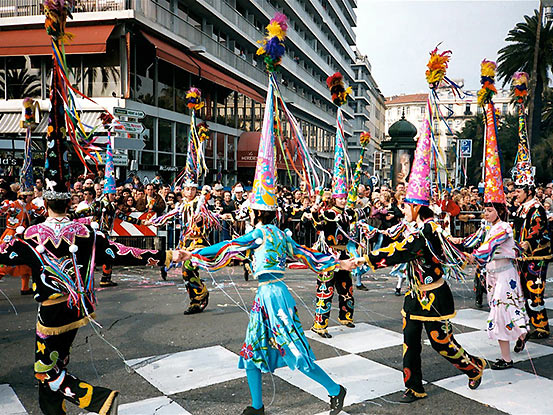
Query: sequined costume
x=334, y=225
x=61, y=254
x=530, y=226
x=428, y=303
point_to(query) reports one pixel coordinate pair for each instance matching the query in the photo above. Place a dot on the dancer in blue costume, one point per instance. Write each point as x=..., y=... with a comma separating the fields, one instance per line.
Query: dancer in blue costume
x=274, y=337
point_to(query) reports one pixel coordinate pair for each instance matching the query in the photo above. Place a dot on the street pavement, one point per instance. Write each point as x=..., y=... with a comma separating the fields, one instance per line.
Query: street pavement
x=177, y=365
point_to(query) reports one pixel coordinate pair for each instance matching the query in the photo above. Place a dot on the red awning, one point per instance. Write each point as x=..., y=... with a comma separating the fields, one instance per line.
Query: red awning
x=193, y=65
x=86, y=39
x=248, y=147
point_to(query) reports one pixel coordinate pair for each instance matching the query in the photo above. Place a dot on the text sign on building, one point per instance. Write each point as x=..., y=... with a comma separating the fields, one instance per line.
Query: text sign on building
x=465, y=148
x=126, y=112
x=123, y=143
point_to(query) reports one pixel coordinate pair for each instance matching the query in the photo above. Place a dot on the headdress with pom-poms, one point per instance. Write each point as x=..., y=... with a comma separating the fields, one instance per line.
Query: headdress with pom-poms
x=493, y=181
x=339, y=92
x=437, y=67
x=523, y=172
x=418, y=187
x=272, y=46
x=364, y=140
x=487, y=79
x=520, y=85
x=109, y=171
x=203, y=132
x=57, y=12
x=194, y=99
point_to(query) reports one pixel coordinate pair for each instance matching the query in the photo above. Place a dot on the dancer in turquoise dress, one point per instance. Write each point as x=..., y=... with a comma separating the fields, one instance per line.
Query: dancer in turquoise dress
x=274, y=337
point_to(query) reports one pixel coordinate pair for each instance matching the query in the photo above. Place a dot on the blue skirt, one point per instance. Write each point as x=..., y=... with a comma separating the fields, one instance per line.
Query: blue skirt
x=275, y=337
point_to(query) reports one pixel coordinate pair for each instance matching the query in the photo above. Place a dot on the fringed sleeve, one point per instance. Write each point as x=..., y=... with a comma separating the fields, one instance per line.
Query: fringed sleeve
x=217, y=256
x=315, y=260
x=486, y=251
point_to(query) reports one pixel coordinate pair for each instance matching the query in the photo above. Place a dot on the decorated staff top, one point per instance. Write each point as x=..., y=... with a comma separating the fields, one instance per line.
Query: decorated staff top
x=520, y=85
x=487, y=79
x=339, y=92
x=437, y=67
x=272, y=46
x=57, y=12
x=194, y=99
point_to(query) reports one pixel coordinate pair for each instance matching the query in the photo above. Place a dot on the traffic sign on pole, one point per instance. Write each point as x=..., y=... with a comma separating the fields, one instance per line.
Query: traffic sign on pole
x=129, y=144
x=128, y=127
x=126, y=112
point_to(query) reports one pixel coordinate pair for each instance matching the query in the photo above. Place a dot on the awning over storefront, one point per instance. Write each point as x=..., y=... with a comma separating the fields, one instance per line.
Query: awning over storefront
x=86, y=39
x=248, y=147
x=9, y=122
x=193, y=65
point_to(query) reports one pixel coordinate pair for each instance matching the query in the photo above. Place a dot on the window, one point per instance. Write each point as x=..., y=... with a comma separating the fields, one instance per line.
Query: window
x=21, y=78
x=166, y=94
x=144, y=67
x=165, y=135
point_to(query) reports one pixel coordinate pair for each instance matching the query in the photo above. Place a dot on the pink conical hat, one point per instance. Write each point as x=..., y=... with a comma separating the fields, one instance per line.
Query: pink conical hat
x=493, y=190
x=418, y=188
x=264, y=185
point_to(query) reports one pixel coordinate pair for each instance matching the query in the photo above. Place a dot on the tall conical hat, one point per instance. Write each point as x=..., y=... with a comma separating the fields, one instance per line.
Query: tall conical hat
x=109, y=174
x=493, y=182
x=56, y=165
x=523, y=172
x=364, y=140
x=418, y=188
x=263, y=195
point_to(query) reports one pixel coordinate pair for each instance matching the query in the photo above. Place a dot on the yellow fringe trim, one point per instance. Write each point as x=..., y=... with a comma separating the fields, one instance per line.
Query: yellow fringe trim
x=107, y=404
x=419, y=394
x=425, y=318
x=52, y=331
x=56, y=300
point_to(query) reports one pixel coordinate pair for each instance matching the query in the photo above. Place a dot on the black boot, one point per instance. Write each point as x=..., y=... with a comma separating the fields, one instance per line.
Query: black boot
x=337, y=402
x=107, y=282
x=252, y=411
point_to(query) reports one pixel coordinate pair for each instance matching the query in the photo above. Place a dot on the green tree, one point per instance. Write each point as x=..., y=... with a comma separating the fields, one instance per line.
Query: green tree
x=518, y=55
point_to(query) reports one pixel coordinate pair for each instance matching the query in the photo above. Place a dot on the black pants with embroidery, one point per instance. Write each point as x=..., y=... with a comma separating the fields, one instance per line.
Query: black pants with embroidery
x=197, y=290
x=532, y=278
x=327, y=284
x=479, y=284
x=441, y=338
x=57, y=385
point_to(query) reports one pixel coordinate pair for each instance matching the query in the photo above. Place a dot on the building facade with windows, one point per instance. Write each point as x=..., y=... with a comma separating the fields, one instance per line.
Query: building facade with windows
x=456, y=112
x=145, y=55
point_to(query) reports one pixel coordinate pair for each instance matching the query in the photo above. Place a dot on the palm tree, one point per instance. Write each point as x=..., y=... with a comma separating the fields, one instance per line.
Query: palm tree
x=518, y=55
x=21, y=84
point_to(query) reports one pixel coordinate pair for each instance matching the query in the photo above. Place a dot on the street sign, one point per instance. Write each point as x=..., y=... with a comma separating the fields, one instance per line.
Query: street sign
x=127, y=127
x=466, y=148
x=126, y=112
x=129, y=144
x=119, y=159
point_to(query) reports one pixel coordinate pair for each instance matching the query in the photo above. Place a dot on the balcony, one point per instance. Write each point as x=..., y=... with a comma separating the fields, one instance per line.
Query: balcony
x=21, y=8
x=267, y=8
x=346, y=20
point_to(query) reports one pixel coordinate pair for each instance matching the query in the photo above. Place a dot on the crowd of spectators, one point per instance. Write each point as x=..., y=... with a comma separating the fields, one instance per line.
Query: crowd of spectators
x=381, y=207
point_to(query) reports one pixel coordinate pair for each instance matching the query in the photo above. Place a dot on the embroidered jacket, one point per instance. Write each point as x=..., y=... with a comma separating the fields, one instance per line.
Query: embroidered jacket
x=336, y=223
x=423, y=252
x=62, y=254
x=530, y=225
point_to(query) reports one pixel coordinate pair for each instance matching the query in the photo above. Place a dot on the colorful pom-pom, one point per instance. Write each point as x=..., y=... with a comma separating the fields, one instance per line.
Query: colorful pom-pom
x=272, y=46
x=194, y=99
x=437, y=67
x=337, y=89
x=520, y=83
x=487, y=79
x=203, y=132
x=365, y=138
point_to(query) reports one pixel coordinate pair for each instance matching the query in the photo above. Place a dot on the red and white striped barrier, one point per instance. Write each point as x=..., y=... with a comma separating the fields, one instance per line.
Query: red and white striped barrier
x=122, y=228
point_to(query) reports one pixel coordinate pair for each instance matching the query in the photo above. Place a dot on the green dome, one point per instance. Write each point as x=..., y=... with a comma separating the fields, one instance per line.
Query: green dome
x=402, y=129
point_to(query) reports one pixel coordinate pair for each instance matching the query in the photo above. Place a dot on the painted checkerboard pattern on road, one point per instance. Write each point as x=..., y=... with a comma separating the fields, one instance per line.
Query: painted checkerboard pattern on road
x=364, y=378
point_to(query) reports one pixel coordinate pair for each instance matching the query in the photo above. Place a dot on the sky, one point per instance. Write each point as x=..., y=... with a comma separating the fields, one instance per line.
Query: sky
x=397, y=36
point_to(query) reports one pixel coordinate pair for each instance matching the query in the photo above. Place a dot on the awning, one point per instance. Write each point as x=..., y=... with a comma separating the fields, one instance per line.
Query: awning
x=183, y=60
x=9, y=122
x=248, y=147
x=86, y=39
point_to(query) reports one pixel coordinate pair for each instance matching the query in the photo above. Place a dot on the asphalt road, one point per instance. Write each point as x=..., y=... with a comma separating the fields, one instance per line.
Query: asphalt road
x=142, y=317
